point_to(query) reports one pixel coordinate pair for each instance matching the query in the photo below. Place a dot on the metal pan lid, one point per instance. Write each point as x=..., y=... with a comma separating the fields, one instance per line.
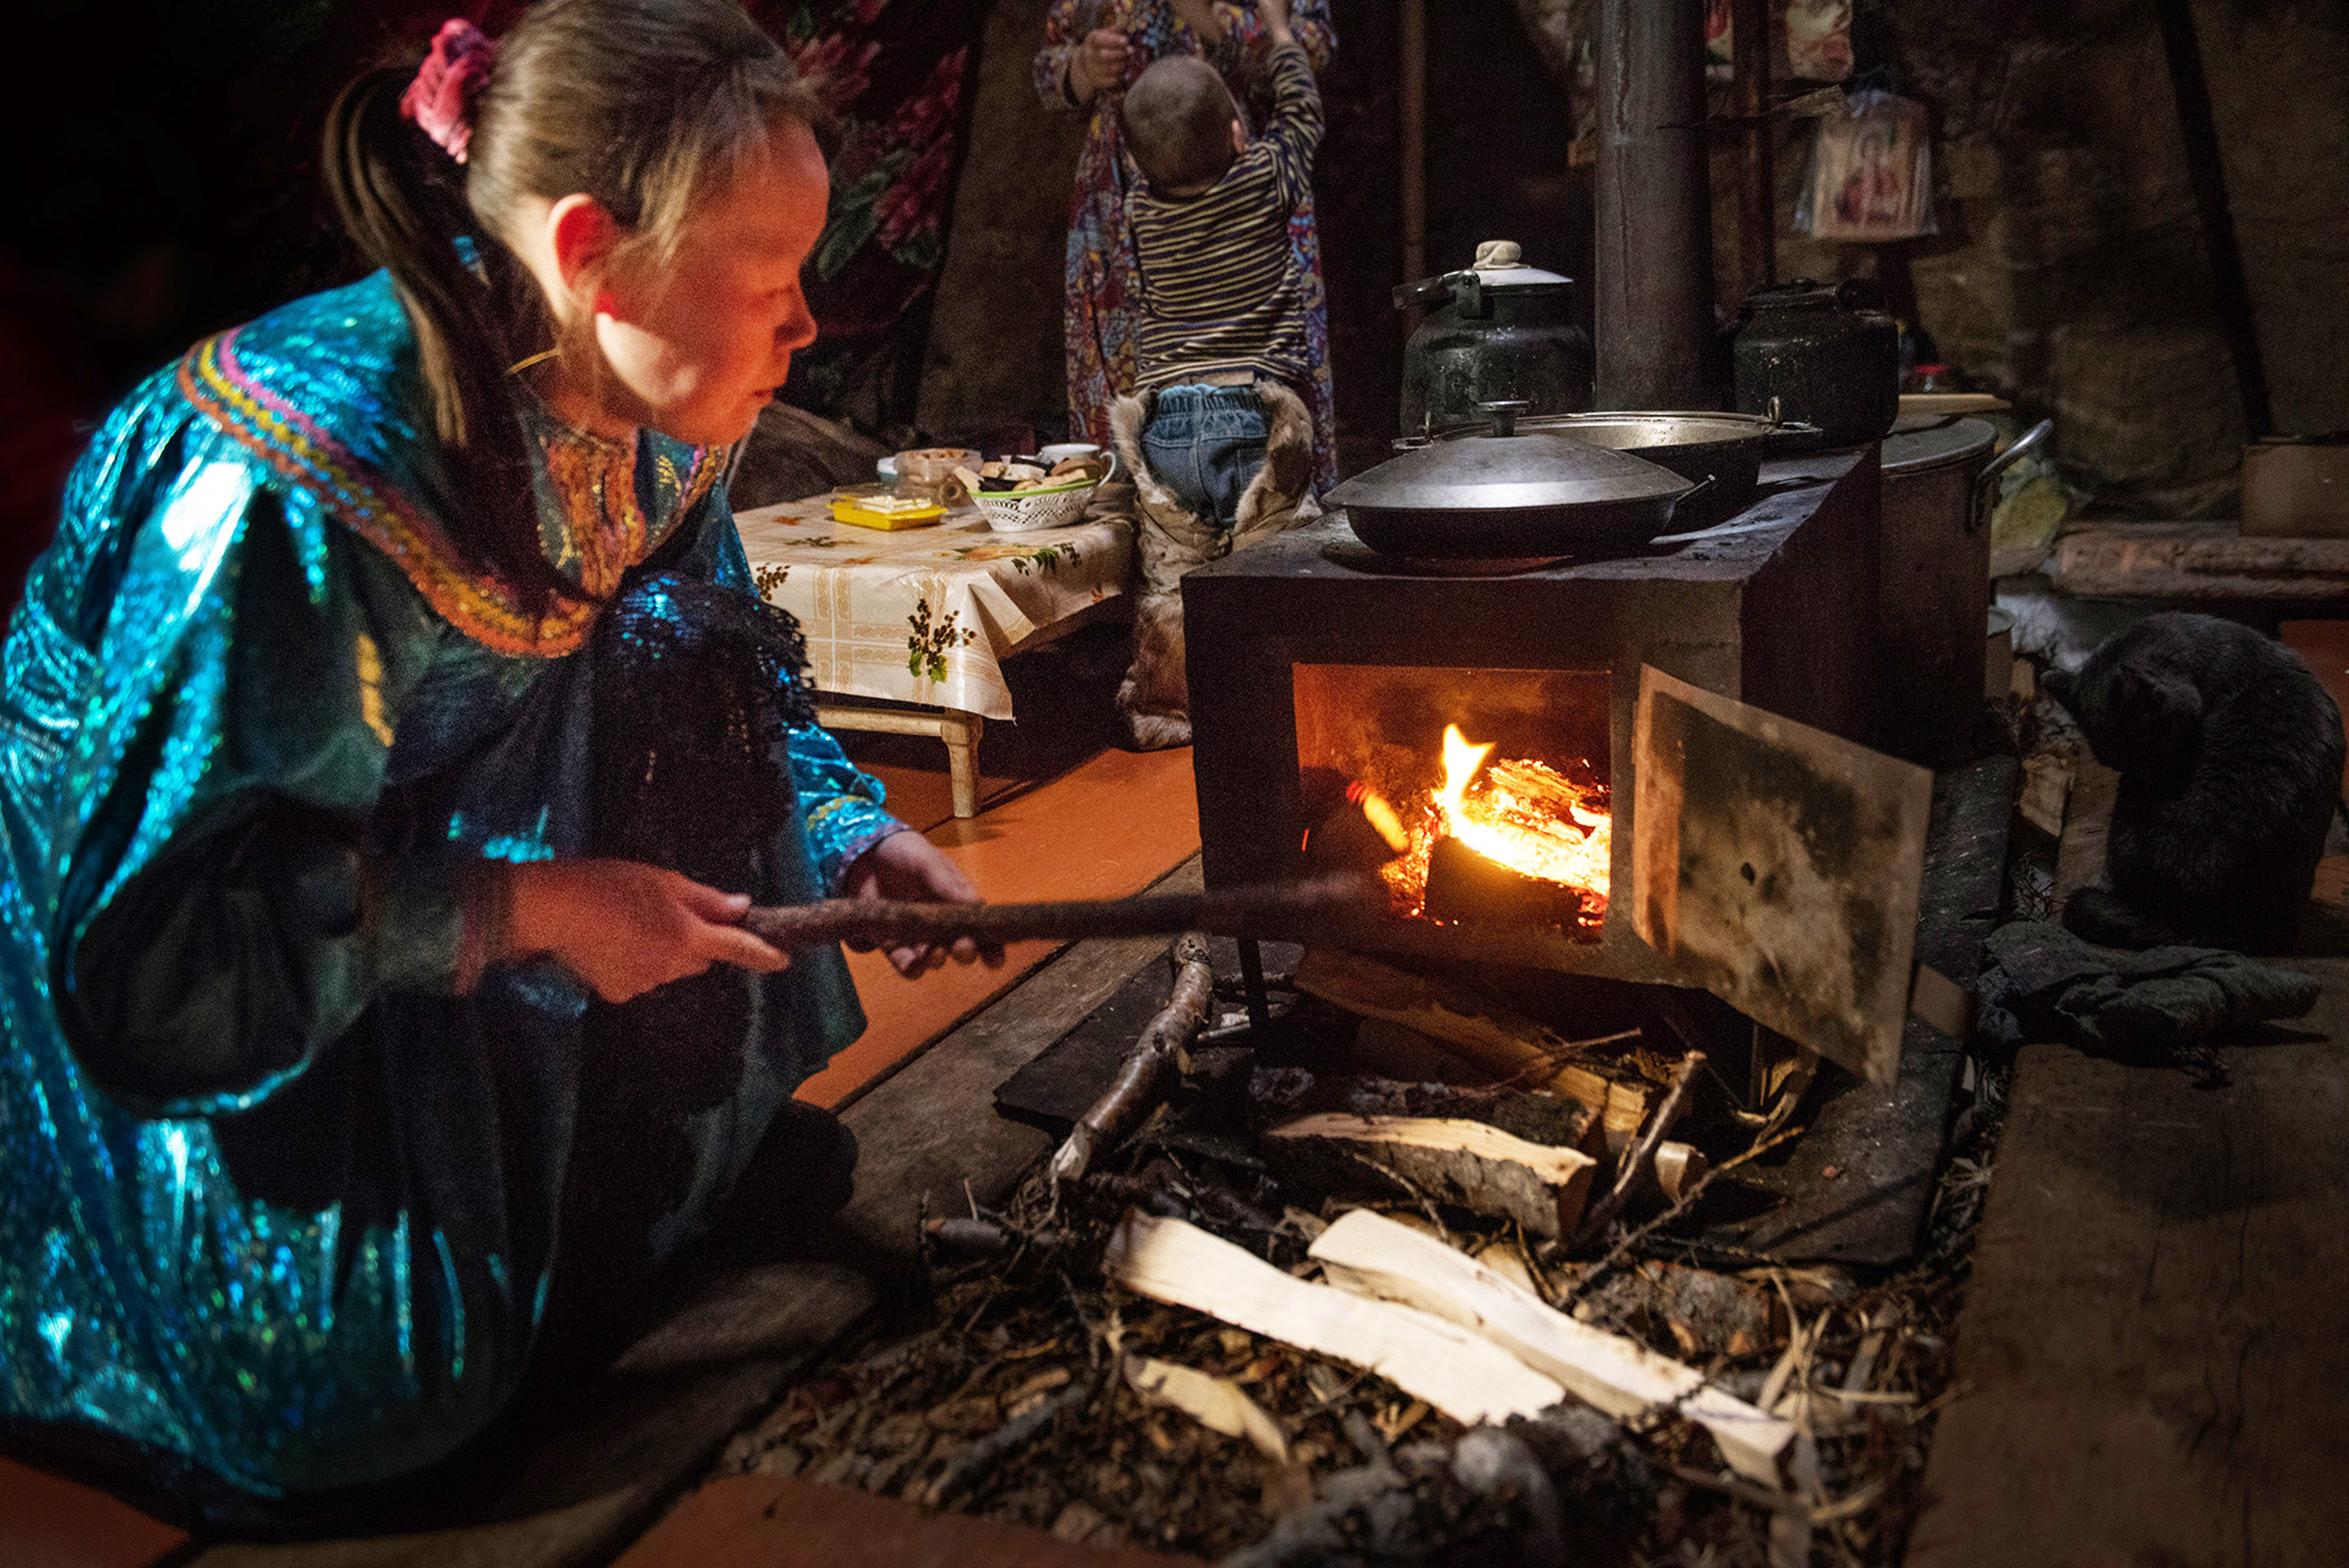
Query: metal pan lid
x=1629, y=430
x=1916, y=451
x=1506, y=470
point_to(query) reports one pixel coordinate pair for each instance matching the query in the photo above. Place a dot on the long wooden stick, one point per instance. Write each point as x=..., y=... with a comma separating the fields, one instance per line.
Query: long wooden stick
x=1273, y=910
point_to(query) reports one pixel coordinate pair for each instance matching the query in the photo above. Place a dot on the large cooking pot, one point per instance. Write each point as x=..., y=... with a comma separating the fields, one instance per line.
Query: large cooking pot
x=1933, y=592
x=1496, y=330
x=1509, y=494
x=1725, y=449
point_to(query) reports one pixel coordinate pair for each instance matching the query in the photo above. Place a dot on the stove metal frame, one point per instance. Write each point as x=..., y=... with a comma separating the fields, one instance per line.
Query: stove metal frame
x=1774, y=607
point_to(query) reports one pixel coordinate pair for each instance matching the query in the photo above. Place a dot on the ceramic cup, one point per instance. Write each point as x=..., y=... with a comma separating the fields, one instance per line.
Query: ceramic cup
x=1059, y=450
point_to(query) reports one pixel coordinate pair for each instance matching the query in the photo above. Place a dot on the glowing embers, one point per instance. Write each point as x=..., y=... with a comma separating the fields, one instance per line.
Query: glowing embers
x=1514, y=840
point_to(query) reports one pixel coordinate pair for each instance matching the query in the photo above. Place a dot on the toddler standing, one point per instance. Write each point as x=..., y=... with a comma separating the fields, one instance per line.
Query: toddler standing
x=1218, y=440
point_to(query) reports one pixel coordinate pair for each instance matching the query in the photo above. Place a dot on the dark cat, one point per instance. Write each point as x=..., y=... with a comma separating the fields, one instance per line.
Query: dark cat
x=2229, y=754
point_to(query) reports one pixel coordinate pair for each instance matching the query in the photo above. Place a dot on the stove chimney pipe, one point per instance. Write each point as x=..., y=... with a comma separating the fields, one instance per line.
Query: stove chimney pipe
x=1654, y=263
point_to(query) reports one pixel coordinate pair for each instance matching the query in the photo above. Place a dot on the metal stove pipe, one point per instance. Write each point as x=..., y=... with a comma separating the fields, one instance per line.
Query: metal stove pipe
x=1654, y=263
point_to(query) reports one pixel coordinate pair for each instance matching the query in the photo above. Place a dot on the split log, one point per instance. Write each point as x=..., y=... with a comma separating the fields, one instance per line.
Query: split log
x=1369, y=1252
x=1467, y=1163
x=1141, y=1081
x=1283, y=1094
x=1465, y=1376
x=1497, y=1037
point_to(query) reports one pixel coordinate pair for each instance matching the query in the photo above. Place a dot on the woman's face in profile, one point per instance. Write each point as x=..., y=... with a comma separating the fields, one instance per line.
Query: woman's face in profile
x=701, y=345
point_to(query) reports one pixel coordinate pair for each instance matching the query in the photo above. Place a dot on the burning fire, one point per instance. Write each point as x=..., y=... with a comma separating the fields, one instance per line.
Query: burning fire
x=1520, y=813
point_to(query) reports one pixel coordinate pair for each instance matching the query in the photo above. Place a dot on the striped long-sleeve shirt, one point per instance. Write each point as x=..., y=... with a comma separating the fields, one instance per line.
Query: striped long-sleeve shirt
x=1220, y=286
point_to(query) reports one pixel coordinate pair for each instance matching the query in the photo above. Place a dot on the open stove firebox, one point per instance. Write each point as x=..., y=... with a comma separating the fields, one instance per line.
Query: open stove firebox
x=1485, y=791
x=1482, y=727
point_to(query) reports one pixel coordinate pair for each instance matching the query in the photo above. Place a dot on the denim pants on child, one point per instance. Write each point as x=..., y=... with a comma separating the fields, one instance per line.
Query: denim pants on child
x=1206, y=443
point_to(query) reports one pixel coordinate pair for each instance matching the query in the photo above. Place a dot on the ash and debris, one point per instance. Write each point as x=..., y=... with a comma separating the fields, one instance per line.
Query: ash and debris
x=1006, y=1394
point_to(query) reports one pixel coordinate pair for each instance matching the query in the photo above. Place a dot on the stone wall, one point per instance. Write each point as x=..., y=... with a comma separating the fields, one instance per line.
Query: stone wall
x=2070, y=271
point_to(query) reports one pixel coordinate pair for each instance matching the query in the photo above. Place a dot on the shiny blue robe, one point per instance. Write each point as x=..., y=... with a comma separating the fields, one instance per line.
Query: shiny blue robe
x=278, y=1193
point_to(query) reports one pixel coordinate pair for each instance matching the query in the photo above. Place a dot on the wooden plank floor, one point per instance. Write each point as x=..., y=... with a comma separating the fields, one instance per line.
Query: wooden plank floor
x=2155, y=1350
x=2156, y=1342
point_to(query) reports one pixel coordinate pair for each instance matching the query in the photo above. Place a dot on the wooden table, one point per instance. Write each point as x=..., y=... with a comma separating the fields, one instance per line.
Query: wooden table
x=914, y=624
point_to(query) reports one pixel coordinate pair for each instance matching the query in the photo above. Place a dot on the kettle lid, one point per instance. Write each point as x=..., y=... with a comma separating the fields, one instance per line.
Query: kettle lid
x=1852, y=294
x=1500, y=264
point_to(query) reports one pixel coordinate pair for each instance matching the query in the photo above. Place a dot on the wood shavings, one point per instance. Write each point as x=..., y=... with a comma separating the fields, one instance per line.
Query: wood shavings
x=1007, y=1395
x=1216, y=1403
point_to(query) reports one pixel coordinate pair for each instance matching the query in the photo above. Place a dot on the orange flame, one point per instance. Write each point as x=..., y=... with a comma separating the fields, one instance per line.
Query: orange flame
x=1520, y=812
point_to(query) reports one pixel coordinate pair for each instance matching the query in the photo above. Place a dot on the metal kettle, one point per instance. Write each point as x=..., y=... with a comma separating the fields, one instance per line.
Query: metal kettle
x=1498, y=331
x=1820, y=355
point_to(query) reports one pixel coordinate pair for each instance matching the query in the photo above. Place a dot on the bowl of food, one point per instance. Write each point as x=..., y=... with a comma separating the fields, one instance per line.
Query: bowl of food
x=927, y=471
x=1018, y=495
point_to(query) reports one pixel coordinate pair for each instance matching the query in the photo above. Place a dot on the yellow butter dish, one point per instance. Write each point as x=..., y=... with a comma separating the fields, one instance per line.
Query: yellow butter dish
x=885, y=511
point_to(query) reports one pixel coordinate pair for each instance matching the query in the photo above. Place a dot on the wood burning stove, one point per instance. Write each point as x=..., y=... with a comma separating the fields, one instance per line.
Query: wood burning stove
x=1324, y=680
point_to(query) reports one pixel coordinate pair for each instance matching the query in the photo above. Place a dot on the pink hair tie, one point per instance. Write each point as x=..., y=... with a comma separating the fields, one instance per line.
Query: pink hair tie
x=441, y=100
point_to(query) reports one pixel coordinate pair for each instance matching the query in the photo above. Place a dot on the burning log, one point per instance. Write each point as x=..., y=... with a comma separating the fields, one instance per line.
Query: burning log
x=1515, y=844
x=1369, y=1252
x=1142, y=1080
x=1495, y=1036
x=1464, y=885
x=1467, y=1163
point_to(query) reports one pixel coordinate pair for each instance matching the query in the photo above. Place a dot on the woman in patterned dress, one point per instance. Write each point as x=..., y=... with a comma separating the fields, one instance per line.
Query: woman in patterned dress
x=1092, y=51
x=390, y=746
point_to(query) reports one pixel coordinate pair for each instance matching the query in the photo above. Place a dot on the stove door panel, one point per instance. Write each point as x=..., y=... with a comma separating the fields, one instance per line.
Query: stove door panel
x=1778, y=867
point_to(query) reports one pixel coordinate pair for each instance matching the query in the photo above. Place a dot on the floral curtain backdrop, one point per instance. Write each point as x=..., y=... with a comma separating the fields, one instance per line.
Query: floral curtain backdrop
x=895, y=74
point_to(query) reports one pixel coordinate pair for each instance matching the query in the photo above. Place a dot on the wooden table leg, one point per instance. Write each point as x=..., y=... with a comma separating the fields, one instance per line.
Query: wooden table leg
x=961, y=731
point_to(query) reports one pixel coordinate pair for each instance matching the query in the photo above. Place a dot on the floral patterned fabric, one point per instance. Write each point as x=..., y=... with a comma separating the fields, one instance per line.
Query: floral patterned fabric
x=893, y=74
x=1103, y=297
x=925, y=615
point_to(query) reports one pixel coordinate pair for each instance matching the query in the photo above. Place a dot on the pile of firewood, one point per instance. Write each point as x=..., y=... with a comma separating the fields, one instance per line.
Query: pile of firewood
x=1398, y=1322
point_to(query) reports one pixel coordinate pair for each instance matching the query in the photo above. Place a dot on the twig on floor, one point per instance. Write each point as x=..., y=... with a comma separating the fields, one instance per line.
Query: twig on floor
x=982, y=1455
x=1621, y=1250
x=1643, y=1148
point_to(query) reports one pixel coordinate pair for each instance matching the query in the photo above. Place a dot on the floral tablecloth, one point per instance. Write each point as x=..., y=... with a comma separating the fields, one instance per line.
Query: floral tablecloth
x=924, y=614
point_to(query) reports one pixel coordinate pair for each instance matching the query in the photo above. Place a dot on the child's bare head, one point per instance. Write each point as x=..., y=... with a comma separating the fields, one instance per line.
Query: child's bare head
x=1179, y=120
